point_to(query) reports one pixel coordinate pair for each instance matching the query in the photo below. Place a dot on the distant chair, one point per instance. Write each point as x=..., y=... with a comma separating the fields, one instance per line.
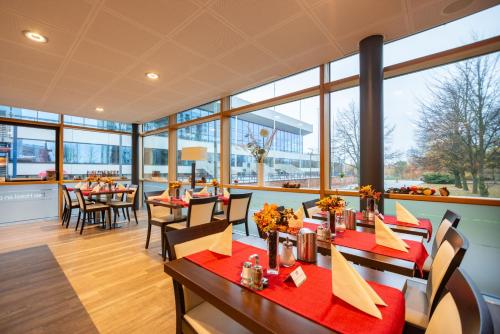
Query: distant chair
x=69, y=205
x=237, y=210
x=194, y=314
x=450, y=219
x=461, y=309
x=127, y=201
x=89, y=210
x=310, y=208
x=200, y=211
x=421, y=297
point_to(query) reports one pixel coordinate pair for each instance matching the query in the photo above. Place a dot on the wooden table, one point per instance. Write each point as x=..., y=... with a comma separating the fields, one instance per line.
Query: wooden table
x=175, y=207
x=251, y=310
x=396, y=228
x=365, y=258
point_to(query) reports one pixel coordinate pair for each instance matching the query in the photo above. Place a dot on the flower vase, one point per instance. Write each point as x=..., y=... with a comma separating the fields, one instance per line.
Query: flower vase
x=273, y=253
x=370, y=209
x=260, y=174
x=331, y=222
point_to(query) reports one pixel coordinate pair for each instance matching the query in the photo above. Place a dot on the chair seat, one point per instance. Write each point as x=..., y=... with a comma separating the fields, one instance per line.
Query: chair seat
x=428, y=263
x=166, y=219
x=177, y=226
x=97, y=206
x=206, y=319
x=417, y=305
x=120, y=204
x=219, y=217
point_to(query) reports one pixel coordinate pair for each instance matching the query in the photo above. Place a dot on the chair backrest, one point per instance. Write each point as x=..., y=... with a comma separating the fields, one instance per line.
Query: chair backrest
x=448, y=258
x=450, y=218
x=310, y=207
x=131, y=197
x=237, y=210
x=152, y=209
x=201, y=211
x=80, y=199
x=185, y=242
x=461, y=309
x=67, y=197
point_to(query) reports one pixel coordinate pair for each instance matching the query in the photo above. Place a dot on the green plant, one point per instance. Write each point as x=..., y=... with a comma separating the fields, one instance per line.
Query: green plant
x=438, y=178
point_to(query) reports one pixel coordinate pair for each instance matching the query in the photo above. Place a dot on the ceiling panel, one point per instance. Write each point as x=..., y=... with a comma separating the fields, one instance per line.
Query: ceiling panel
x=95, y=54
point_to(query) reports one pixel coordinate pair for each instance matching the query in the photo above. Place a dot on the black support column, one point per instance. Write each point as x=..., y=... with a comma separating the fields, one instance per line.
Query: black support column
x=135, y=155
x=371, y=81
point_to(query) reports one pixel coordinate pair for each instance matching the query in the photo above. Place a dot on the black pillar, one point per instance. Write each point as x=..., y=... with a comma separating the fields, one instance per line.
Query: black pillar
x=135, y=155
x=371, y=81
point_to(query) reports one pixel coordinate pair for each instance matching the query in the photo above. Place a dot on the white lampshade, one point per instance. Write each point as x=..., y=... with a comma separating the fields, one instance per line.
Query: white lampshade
x=198, y=153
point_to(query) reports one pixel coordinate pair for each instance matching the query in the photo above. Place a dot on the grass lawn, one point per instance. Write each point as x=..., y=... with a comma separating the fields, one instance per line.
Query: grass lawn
x=494, y=189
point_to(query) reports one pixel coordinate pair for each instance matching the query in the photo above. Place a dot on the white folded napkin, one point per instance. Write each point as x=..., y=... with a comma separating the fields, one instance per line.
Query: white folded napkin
x=313, y=210
x=187, y=197
x=165, y=196
x=120, y=186
x=203, y=191
x=405, y=216
x=223, y=244
x=299, y=222
x=226, y=193
x=96, y=189
x=348, y=285
x=78, y=185
x=384, y=236
x=84, y=187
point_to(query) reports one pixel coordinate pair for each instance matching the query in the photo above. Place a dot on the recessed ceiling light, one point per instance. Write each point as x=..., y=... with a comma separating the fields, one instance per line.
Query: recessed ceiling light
x=35, y=37
x=99, y=109
x=152, y=75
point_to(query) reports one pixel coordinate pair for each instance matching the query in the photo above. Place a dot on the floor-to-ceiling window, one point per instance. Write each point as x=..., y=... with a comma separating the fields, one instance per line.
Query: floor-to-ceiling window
x=155, y=156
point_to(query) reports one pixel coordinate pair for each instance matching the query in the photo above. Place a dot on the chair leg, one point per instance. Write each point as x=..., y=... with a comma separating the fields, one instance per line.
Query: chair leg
x=246, y=228
x=148, y=236
x=78, y=220
x=63, y=218
x=109, y=217
x=70, y=211
x=83, y=222
x=135, y=216
x=163, y=248
x=128, y=214
x=123, y=211
x=115, y=211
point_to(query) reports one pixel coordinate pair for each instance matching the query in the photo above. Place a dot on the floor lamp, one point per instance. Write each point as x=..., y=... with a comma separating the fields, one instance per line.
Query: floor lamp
x=193, y=154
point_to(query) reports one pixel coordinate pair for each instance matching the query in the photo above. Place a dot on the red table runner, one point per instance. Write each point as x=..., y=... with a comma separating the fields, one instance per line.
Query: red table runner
x=366, y=241
x=313, y=299
x=176, y=201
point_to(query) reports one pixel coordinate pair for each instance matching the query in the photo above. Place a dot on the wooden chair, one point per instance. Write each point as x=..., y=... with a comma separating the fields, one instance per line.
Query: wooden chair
x=237, y=210
x=159, y=216
x=450, y=219
x=90, y=209
x=127, y=201
x=310, y=207
x=193, y=313
x=69, y=205
x=461, y=308
x=200, y=211
x=422, y=296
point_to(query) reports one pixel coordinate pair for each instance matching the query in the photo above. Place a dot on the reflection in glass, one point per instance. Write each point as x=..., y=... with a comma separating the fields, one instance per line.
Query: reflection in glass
x=200, y=111
x=155, y=156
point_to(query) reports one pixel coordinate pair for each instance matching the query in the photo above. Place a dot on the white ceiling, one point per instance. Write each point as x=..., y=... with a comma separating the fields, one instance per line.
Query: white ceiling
x=98, y=51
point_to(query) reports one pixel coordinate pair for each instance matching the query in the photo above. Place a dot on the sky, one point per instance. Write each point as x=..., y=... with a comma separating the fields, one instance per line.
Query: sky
x=401, y=95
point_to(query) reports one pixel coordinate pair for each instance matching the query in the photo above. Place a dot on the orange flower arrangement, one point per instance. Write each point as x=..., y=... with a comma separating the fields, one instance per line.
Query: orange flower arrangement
x=174, y=185
x=334, y=204
x=214, y=182
x=271, y=219
x=369, y=192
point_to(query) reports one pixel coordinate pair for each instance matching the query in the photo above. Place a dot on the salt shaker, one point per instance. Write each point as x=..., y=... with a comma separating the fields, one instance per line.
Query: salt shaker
x=257, y=273
x=287, y=257
x=246, y=274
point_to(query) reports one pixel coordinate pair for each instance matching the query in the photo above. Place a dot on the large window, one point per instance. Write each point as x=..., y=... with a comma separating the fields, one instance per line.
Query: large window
x=200, y=111
x=88, y=151
x=303, y=80
x=156, y=124
x=294, y=153
x=28, y=115
x=204, y=134
x=447, y=128
x=26, y=152
x=97, y=123
x=344, y=67
x=155, y=156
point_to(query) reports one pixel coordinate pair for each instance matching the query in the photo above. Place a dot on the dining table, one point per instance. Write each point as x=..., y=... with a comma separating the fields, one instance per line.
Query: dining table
x=423, y=229
x=260, y=313
x=177, y=204
x=359, y=247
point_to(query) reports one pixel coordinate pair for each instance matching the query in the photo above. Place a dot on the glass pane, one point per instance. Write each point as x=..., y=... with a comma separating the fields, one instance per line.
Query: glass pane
x=153, y=125
x=344, y=143
x=294, y=153
x=97, y=123
x=27, y=114
x=303, y=80
x=472, y=28
x=26, y=202
x=155, y=156
x=446, y=128
x=206, y=135
x=26, y=152
x=344, y=67
x=201, y=111
x=104, y=153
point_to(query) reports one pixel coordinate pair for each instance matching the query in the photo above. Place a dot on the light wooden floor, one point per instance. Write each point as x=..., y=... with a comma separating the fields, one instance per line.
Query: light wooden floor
x=121, y=284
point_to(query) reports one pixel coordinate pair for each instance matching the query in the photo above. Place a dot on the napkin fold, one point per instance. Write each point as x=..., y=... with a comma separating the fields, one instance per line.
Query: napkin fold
x=384, y=236
x=226, y=193
x=299, y=221
x=78, y=185
x=203, y=191
x=313, y=210
x=405, y=216
x=223, y=244
x=120, y=186
x=165, y=196
x=96, y=189
x=187, y=197
x=84, y=187
x=348, y=285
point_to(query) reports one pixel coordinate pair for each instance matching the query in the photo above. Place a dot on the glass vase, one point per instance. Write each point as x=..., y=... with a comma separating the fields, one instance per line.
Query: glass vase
x=273, y=253
x=371, y=206
x=260, y=174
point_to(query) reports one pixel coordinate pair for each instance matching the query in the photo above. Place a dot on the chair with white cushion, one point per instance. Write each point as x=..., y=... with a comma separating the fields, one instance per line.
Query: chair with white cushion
x=421, y=296
x=450, y=219
x=461, y=309
x=237, y=210
x=193, y=313
x=159, y=216
x=310, y=208
x=200, y=211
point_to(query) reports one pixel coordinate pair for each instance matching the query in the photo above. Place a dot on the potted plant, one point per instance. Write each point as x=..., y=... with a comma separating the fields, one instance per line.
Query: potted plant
x=259, y=151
